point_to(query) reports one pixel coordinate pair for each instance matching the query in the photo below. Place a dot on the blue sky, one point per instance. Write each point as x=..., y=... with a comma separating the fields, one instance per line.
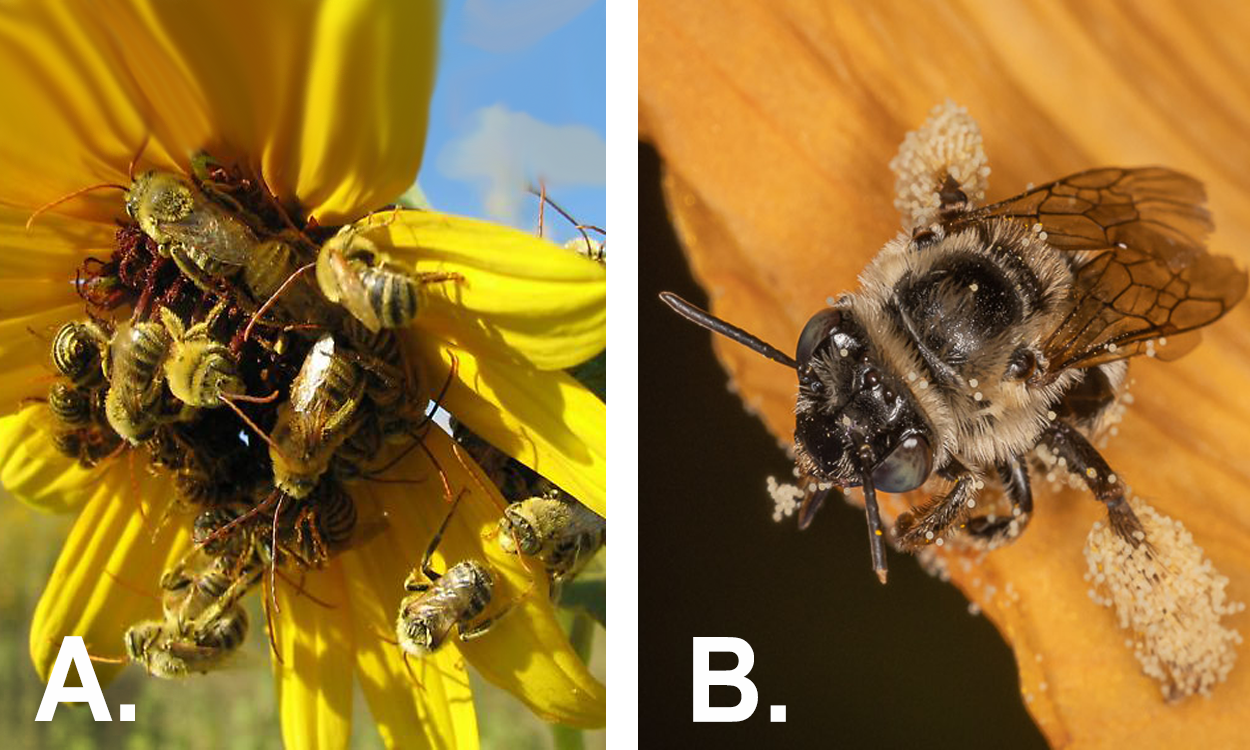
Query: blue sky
x=520, y=95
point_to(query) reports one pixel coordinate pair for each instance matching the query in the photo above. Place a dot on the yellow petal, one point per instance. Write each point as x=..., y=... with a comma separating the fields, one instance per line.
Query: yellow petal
x=870, y=74
x=37, y=295
x=107, y=576
x=36, y=473
x=328, y=101
x=425, y=702
x=545, y=420
x=81, y=114
x=314, y=676
x=315, y=666
x=522, y=297
x=370, y=76
x=526, y=652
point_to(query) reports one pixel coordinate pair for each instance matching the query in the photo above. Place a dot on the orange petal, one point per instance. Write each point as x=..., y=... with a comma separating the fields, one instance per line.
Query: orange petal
x=107, y=576
x=816, y=142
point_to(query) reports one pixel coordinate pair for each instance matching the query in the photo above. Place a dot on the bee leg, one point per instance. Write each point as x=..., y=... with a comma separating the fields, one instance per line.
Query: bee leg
x=426, y=568
x=412, y=585
x=922, y=526
x=468, y=633
x=1014, y=474
x=1085, y=460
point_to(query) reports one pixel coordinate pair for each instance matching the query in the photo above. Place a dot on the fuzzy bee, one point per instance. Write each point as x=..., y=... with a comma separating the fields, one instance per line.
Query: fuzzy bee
x=169, y=652
x=379, y=293
x=133, y=367
x=78, y=351
x=439, y=603
x=318, y=418
x=986, y=332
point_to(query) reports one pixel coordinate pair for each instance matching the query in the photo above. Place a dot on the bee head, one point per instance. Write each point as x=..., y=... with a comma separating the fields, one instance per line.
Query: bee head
x=135, y=193
x=517, y=533
x=854, y=419
x=140, y=637
x=416, y=637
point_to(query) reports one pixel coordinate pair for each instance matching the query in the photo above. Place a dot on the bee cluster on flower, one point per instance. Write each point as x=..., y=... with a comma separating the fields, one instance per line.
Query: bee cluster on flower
x=262, y=388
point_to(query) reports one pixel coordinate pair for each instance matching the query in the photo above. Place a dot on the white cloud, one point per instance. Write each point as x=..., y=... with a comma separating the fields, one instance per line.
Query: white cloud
x=513, y=25
x=506, y=151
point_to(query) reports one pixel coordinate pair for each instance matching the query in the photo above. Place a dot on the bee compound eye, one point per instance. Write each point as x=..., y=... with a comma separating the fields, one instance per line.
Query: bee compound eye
x=815, y=332
x=906, y=468
x=1021, y=365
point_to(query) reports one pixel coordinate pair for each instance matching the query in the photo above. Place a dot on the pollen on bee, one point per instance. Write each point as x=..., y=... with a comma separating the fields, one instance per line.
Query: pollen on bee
x=973, y=383
x=924, y=384
x=1051, y=415
x=1112, y=347
x=949, y=143
x=786, y=498
x=973, y=287
x=972, y=502
x=1170, y=598
x=977, y=396
x=1089, y=472
x=1042, y=236
x=844, y=352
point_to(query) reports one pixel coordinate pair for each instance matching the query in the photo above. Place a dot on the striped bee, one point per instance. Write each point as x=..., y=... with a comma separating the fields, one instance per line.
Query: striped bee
x=376, y=291
x=199, y=369
x=168, y=652
x=317, y=419
x=557, y=530
x=78, y=351
x=441, y=602
x=136, y=355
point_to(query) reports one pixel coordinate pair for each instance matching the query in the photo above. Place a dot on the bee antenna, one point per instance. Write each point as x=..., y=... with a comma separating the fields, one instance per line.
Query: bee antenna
x=728, y=330
x=229, y=401
x=876, y=536
x=49, y=206
x=270, y=626
x=134, y=161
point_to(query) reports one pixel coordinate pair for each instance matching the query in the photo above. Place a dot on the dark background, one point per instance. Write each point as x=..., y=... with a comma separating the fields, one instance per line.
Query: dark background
x=856, y=664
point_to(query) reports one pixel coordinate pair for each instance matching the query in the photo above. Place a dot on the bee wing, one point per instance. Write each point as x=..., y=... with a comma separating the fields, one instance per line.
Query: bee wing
x=355, y=297
x=1141, y=265
x=213, y=232
x=583, y=520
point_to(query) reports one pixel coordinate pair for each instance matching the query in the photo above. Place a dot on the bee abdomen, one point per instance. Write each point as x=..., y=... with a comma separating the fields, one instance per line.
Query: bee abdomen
x=76, y=353
x=466, y=588
x=71, y=406
x=393, y=296
x=336, y=517
x=225, y=632
x=208, y=264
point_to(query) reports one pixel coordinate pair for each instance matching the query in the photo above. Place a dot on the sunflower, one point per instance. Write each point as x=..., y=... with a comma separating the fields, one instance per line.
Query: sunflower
x=320, y=110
